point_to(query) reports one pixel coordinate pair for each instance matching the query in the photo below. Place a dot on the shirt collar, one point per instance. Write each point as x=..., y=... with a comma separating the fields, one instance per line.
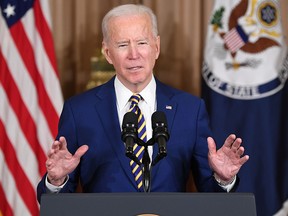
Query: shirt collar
x=123, y=94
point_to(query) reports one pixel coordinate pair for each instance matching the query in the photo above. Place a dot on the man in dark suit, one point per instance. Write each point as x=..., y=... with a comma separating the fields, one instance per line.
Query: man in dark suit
x=89, y=146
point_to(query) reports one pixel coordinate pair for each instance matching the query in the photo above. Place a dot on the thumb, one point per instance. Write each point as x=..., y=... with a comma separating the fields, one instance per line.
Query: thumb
x=211, y=145
x=81, y=151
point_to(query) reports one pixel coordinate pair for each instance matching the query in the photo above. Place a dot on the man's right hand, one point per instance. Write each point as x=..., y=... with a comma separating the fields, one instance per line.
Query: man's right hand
x=61, y=162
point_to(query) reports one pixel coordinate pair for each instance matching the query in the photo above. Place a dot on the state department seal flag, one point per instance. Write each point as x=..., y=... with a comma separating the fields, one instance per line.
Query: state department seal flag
x=30, y=102
x=244, y=85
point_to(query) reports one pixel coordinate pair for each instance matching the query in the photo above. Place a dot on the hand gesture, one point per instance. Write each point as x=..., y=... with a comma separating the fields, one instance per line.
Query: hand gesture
x=61, y=162
x=227, y=161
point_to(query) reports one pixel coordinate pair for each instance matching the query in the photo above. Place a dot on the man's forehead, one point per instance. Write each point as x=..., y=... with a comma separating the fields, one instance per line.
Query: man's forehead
x=126, y=26
x=142, y=18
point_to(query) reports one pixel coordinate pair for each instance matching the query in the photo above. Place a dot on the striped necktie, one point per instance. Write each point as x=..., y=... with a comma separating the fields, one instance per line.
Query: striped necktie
x=138, y=150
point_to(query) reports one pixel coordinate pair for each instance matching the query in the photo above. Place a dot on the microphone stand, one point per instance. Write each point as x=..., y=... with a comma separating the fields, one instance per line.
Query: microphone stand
x=146, y=162
x=146, y=171
x=160, y=134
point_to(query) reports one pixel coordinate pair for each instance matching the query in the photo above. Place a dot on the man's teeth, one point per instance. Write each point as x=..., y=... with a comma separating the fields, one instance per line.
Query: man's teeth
x=134, y=68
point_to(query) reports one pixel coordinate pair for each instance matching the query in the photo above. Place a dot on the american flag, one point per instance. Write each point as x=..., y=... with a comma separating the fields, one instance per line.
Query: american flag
x=235, y=39
x=30, y=102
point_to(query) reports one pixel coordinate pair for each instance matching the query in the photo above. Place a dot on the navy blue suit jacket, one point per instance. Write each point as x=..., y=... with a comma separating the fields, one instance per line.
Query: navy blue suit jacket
x=91, y=118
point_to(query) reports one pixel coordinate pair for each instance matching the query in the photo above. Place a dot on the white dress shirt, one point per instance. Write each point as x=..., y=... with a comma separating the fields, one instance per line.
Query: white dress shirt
x=147, y=105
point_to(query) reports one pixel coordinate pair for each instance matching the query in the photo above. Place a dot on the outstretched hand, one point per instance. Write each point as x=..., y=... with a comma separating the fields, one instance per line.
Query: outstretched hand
x=61, y=162
x=227, y=161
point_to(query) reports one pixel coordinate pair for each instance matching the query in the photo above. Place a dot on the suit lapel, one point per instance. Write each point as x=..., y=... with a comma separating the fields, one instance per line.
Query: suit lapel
x=166, y=104
x=107, y=111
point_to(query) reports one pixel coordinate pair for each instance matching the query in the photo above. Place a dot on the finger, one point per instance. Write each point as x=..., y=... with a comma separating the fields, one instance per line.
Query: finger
x=54, y=149
x=243, y=159
x=211, y=145
x=229, y=140
x=55, y=145
x=50, y=153
x=48, y=165
x=63, y=143
x=240, y=151
x=236, y=144
x=81, y=151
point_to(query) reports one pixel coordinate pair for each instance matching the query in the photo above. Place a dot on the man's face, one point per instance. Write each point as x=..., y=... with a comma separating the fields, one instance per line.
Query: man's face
x=132, y=49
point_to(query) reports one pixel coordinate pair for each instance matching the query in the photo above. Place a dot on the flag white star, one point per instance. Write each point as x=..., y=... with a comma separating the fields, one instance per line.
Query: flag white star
x=10, y=10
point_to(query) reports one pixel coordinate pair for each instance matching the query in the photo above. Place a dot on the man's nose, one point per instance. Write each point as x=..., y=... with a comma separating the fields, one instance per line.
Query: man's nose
x=133, y=52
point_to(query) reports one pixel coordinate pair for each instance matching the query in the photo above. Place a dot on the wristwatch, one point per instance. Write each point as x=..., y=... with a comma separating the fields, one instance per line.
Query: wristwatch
x=221, y=182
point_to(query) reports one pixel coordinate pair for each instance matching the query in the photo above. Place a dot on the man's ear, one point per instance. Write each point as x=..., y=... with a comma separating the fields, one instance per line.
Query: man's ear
x=157, y=46
x=106, y=52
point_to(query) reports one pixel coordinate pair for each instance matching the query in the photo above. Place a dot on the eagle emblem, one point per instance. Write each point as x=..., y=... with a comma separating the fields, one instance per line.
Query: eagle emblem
x=244, y=49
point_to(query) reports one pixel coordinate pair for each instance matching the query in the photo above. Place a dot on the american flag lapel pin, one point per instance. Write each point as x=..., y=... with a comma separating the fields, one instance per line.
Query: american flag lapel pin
x=168, y=107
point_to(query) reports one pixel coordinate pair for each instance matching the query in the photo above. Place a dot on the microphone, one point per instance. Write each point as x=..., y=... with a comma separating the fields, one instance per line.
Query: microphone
x=130, y=134
x=160, y=134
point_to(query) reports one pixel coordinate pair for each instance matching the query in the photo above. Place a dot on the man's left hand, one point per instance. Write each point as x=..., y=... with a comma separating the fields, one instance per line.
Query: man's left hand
x=227, y=161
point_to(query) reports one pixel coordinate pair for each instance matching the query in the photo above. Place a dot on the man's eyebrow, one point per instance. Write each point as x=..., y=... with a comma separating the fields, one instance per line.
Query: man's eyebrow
x=122, y=41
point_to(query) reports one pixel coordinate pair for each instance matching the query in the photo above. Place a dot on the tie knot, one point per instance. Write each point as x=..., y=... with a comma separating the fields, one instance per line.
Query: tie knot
x=135, y=99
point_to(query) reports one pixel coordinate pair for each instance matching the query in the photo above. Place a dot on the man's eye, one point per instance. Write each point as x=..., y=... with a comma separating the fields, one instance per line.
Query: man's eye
x=122, y=45
x=142, y=43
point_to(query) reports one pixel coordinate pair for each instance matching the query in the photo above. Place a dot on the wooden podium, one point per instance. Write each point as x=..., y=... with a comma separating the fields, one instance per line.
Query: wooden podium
x=162, y=204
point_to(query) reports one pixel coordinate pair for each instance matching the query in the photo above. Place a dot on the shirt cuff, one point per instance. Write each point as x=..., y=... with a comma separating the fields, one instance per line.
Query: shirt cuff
x=52, y=188
x=227, y=186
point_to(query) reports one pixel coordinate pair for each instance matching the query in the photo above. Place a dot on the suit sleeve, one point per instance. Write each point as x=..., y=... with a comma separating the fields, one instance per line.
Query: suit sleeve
x=68, y=129
x=200, y=167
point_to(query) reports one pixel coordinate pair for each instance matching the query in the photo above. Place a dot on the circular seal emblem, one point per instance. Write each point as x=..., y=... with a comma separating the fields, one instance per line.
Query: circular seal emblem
x=245, y=54
x=268, y=14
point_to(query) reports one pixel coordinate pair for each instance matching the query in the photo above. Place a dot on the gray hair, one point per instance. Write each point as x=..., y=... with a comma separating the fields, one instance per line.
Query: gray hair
x=128, y=9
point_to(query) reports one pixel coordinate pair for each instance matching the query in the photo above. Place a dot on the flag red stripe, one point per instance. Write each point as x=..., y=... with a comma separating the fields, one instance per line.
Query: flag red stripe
x=233, y=40
x=5, y=208
x=19, y=44
x=25, y=120
x=45, y=33
x=23, y=185
x=27, y=54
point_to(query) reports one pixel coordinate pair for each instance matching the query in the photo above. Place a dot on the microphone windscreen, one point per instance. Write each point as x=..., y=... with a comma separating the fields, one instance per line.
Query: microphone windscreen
x=158, y=118
x=130, y=118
